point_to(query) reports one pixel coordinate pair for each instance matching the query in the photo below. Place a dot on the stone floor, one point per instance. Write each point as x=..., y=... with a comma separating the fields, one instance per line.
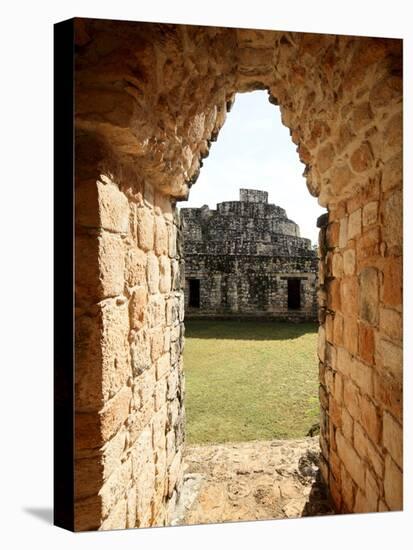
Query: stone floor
x=251, y=481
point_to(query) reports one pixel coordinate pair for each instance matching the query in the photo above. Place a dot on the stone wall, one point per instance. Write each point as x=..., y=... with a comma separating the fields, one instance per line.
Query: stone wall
x=150, y=100
x=243, y=254
x=129, y=338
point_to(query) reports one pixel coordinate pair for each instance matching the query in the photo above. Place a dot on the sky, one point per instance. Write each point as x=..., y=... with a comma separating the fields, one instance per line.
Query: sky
x=254, y=150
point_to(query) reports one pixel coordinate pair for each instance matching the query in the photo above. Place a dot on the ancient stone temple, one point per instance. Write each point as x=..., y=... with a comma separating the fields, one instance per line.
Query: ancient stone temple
x=247, y=259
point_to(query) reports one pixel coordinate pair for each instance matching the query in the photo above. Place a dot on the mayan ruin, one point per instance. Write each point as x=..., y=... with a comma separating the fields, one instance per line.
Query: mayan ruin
x=247, y=259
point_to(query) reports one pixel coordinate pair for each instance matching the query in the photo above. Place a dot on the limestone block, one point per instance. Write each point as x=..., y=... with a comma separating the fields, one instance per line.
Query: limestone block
x=140, y=352
x=349, y=296
x=325, y=157
x=338, y=329
x=361, y=505
x=390, y=357
x=362, y=158
x=321, y=343
x=366, y=343
x=391, y=324
x=164, y=274
x=161, y=235
x=393, y=220
x=393, y=438
x=334, y=295
x=393, y=485
x=117, y=518
x=354, y=224
x=137, y=307
x=174, y=472
x=337, y=266
x=160, y=392
x=361, y=116
x=351, y=461
x=362, y=376
x=131, y=508
x=113, y=208
x=153, y=273
x=372, y=491
x=344, y=361
x=145, y=386
x=368, y=244
x=350, y=334
x=392, y=172
x=172, y=237
x=349, y=262
x=368, y=451
x=392, y=283
x=113, y=489
x=369, y=419
x=369, y=295
x=347, y=425
x=111, y=264
x=135, y=267
x=342, y=239
x=176, y=282
x=156, y=311
x=157, y=343
x=351, y=398
x=370, y=211
x=347, y=488
x=145, y=221
x=388, y=393
x=143, y=467
x=115, y=412
x=116, y=366
x=163, y=366
x=113, y=453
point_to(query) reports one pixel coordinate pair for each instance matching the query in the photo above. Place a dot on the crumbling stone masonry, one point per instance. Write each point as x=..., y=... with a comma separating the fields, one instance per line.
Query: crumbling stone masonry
x=149, y=100
x=247, y=259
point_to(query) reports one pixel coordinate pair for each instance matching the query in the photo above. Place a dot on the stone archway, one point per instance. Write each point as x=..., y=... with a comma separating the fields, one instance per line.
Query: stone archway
x=150, y=99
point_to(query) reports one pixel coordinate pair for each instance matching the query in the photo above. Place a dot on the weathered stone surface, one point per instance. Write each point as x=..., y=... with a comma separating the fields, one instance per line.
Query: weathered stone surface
x=135, y=267
x=111, y=262
x=142, y=134
x=137, y=307
x=393, y=438
x=351, y=460
x=369, y=295
x=393, y=485
x=113, y=208
x=246, y=255
x=164, y=274
x=153, y=273
x=161, y=235
x=370, y=211
x=354, y=224
x=390, y=357
x=145, y=226
x=349, y=262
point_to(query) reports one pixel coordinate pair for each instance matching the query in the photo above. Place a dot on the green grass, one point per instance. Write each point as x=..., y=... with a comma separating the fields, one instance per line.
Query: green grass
x=250, y=380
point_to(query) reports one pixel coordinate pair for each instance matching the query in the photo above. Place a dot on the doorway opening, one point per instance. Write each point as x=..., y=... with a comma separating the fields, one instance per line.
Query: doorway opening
x=194, y=293
x=294, y=293
x=251, y=345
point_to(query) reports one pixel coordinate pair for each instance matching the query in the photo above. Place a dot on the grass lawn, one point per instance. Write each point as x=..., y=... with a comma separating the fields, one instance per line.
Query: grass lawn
x=250, y=380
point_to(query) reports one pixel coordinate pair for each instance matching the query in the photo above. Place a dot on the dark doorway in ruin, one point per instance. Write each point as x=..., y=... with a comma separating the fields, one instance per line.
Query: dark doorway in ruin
x=194, y=293
x=294, y=293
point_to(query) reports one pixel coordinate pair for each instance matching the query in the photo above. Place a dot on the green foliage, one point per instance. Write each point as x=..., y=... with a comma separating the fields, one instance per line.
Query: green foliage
x=249, y=380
